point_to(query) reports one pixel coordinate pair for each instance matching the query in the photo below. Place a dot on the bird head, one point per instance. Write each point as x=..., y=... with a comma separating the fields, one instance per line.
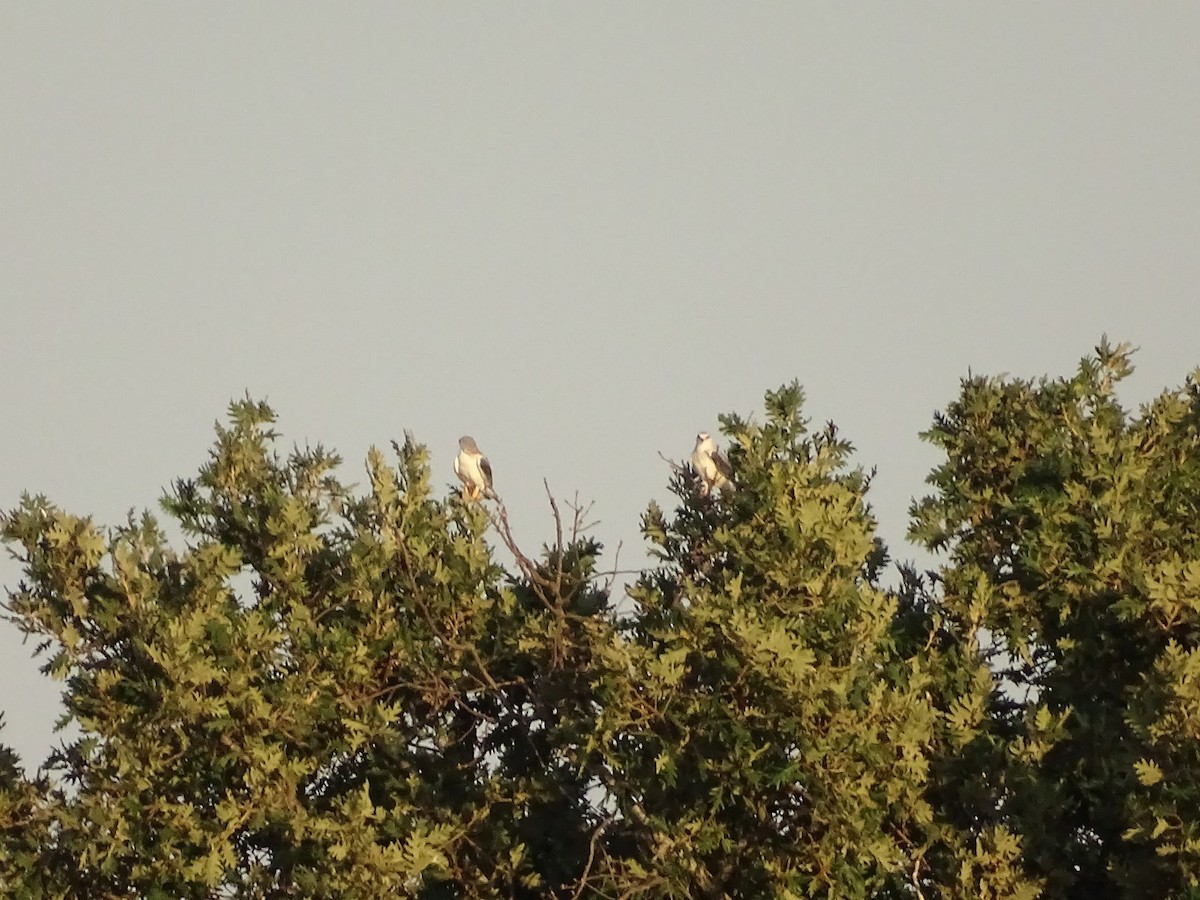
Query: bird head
x=467, y=443
x=701, y=438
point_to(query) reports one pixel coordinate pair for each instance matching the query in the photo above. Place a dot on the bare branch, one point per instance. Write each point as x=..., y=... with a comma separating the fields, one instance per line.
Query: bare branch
x=545, y=588
x=587, y=869
x=676, y=467
x=578, y=526
x=610, y=575
x=558, y=539
x=527, y=565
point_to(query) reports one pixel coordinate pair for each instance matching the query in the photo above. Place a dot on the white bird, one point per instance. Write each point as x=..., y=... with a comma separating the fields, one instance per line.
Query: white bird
x=473, y=470
x=710, y=465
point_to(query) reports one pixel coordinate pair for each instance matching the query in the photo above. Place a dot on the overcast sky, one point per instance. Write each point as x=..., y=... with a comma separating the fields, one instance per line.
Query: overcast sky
x=575, y=231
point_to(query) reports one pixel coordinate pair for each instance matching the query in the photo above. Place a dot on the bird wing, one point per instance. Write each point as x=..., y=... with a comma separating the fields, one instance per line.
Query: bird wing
x=486, y=468
x=722, y=464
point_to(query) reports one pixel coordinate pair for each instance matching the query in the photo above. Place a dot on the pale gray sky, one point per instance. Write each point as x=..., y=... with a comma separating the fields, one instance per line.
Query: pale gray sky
x=577, y=232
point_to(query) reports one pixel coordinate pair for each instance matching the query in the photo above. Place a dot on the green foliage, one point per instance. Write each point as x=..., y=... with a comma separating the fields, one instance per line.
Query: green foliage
x=323, y=695
x=336, y=692
x=1075, y=566
x=777, y=744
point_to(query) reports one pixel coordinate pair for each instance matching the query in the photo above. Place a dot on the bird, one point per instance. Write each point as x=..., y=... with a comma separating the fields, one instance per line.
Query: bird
x=710, y=465
x=473, y=470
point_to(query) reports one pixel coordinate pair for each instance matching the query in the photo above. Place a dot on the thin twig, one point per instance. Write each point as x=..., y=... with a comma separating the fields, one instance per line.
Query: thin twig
x=500, y=520
x=558, y=539
x=611, y=574
x=578, y=526
x=587, y=869
x=670, y=462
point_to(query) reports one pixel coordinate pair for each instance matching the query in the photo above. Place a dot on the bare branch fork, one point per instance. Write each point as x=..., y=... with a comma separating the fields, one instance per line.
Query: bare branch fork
x=499, y=520
x=548, y=589
x=579, y=526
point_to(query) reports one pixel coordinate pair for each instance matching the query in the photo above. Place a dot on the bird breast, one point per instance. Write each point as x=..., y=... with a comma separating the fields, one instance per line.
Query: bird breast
x=466, y=467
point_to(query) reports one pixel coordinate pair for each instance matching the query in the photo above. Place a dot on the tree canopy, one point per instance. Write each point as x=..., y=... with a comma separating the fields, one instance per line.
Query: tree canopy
x=324, y=691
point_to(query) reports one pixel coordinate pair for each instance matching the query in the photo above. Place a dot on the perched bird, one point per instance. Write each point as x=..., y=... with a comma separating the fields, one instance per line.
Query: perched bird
x=710, y=465
x=473, y=470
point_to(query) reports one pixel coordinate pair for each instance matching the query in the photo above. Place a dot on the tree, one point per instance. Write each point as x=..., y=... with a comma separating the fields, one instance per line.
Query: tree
x=778, y=739
x=23, y=818
x=330, y=692
x=323, y=695
x=1075, y=563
